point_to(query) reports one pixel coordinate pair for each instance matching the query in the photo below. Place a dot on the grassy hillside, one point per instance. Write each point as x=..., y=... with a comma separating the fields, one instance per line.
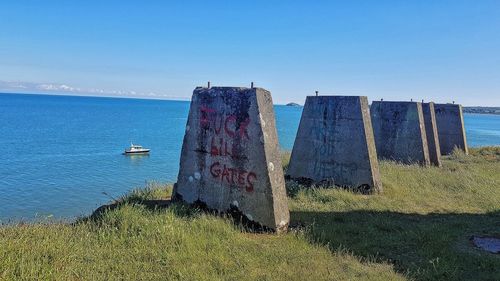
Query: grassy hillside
x=417, y=229
x=421, y=223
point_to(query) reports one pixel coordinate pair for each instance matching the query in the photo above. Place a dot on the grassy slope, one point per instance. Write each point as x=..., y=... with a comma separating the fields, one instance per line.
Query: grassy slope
x=134, y=243
x=418, y=227
x=422, y=221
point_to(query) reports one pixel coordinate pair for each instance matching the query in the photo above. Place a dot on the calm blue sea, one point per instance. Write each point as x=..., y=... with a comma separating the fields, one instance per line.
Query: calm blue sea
x=60, y=154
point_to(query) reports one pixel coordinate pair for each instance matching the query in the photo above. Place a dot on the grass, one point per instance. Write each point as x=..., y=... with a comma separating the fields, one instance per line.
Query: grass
x=417, y=229
x=421, y=223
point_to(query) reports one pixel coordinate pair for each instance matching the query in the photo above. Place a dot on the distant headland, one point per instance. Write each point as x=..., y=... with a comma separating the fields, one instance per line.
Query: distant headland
x=293, y=104
x=482, y=110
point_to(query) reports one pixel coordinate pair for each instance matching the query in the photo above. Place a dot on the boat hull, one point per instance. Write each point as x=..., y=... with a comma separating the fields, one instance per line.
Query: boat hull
x=137, y=152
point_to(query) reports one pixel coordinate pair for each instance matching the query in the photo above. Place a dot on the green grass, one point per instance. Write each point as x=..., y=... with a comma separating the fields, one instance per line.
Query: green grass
x=418, y=228
x=133, y=242
x=421, y=223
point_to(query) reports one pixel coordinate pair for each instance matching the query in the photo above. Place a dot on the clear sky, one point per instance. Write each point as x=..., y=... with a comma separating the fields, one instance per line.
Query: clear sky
x=396, y=50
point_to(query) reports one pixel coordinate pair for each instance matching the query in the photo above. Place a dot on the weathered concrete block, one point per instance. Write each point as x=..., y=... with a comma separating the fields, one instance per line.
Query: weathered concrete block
x=432, y=134
x=400, y=131
x=335, y=144
x=230, y=157
x=450, y=126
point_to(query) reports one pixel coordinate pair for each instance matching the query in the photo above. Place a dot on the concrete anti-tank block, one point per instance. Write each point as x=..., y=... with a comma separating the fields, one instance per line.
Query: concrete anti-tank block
x=335, y=144
x=400, y=131
x=230, y=156
x=432, y=134
x=451, y=128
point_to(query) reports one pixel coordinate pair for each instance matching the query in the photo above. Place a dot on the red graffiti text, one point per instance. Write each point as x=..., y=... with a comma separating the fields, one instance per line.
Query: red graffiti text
x=234, y=176
x=228, y=125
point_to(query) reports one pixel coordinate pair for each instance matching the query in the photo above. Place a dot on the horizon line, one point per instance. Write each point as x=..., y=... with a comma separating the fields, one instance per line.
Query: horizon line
x=63, y=94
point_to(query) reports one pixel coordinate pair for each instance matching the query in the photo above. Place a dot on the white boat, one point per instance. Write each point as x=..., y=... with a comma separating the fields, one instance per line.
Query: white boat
x=136, y=149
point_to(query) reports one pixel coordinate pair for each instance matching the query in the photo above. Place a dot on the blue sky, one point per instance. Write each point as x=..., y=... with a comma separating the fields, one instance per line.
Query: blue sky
x=396, y=50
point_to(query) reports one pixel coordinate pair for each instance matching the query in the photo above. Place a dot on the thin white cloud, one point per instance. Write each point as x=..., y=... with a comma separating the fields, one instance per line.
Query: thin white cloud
x=36, y=88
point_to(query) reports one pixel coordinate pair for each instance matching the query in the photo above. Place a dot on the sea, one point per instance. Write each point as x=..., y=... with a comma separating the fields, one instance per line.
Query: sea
x=61, y=156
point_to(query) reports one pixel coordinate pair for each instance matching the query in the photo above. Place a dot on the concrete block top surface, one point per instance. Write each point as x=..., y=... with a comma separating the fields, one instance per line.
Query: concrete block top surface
x=230, y=156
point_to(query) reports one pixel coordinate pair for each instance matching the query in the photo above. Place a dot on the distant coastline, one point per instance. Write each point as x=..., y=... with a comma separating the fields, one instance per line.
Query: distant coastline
x=482, y=110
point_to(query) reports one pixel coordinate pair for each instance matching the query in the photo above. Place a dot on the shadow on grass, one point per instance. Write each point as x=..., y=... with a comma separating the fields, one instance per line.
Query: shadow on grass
x=180, y=209
x=426, y=247
x=148, y=204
